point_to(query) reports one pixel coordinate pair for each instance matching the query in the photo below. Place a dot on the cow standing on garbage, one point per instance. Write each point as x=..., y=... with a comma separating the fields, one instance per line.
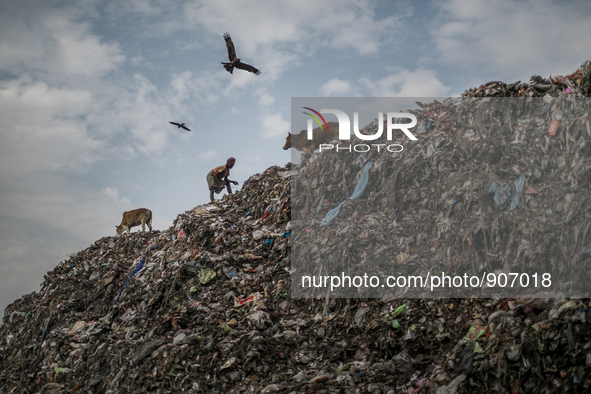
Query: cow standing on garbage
x=319, y=136
x=217, y=178
x=134, y=218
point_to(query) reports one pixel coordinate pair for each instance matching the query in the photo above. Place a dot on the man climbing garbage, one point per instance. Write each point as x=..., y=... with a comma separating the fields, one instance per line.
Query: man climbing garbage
x=218, y=178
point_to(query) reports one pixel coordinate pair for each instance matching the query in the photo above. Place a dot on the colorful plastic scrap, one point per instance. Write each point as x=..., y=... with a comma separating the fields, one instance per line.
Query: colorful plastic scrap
x=332, y=214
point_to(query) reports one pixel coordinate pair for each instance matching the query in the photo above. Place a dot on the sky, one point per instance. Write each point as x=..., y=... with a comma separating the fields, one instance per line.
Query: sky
x=87, y=89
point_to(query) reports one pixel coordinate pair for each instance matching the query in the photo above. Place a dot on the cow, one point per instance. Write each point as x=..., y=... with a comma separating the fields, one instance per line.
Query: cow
x=319, y=136
x=133, y=218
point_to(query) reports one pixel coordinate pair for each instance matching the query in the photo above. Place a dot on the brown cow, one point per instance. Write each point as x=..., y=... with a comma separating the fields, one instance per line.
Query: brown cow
x=133, y=218
x=319, y=136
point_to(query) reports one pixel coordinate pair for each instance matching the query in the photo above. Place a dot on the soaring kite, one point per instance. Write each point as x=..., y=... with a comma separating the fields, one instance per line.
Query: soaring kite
x=234, y=61
x=180, y=125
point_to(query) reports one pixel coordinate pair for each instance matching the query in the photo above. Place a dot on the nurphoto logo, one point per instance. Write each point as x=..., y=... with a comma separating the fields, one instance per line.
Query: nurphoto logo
x=345, y=129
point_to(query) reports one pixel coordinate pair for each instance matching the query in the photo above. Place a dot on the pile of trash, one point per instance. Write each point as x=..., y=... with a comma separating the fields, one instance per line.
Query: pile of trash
x=577, y=84
x=188, y=309
x=206, y=306
x=492, y=185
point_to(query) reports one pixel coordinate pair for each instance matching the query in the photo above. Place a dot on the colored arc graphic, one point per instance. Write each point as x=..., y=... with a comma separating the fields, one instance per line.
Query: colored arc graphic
x=315, y=118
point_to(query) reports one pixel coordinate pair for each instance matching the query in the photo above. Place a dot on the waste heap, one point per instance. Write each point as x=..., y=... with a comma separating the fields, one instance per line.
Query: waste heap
x=187, y=309
x=577, y=84
x=478, y=192
x=205, y=306
x=492, y=185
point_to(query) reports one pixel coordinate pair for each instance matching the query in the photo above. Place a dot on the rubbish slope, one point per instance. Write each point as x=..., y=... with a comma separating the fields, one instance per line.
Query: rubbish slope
x=492, y=185
x=205, y=306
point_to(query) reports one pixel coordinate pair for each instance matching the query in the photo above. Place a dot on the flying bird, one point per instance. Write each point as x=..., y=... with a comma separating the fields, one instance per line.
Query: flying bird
x=234, y=61
x=180, y=125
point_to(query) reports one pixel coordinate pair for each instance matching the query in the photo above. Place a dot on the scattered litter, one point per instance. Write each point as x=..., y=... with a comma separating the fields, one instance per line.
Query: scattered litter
x=209, y=308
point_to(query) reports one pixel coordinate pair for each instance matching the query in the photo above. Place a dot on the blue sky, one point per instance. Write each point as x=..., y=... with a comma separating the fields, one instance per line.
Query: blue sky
x=87, y=89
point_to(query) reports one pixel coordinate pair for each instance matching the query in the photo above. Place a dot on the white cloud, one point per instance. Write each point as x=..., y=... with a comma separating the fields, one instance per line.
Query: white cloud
x=273, y=125
x=344, y=24
x=209, y=155
x=513, y=39
x=80, y=52
x=274, y=36
x=145, y=7
x=137, y=60
x=240, y=80
x=50, y=41
x=71, y=107
x=42, y=130
x=187, y=86
x=111, y=192
x=336, y=87
x=403, y=83
x=235, y=111
x=266, y=100
x=64, y=110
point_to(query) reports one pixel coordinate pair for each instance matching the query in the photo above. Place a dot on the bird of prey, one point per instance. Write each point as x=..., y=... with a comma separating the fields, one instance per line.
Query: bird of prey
x=234, y=61
x=180, y=125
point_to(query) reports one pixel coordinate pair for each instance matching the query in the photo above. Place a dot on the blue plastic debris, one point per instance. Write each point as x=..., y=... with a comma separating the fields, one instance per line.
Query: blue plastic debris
x=508, y=193
x=362, y=182
x=333, y=213
x=139, y=267
x=519, y=184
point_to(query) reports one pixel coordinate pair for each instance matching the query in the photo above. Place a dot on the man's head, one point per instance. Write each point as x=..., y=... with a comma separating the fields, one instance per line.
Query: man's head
x=230, y=162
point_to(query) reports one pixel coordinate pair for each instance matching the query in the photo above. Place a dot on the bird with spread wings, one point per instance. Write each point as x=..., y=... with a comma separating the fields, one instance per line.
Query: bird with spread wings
x=180, y=125
x=234, y=61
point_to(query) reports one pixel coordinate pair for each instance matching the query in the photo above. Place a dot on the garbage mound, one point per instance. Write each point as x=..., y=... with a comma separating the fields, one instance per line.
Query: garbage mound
x=577, y=84
x=492, y=185
x=205, y=306
x=187, y=309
